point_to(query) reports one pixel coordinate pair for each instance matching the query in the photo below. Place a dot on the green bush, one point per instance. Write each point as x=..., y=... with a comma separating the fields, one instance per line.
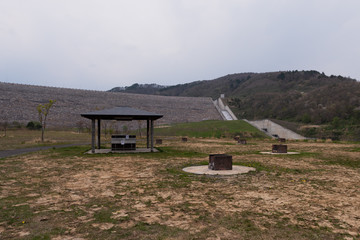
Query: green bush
x=33, y=125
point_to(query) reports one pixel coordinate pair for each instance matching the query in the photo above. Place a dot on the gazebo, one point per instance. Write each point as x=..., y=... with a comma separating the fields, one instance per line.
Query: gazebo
x=122, y=114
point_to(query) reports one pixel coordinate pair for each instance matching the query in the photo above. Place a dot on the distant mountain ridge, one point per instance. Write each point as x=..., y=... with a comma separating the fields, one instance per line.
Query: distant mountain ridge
x=302, y=96
x=151, y=89
x=241, y=84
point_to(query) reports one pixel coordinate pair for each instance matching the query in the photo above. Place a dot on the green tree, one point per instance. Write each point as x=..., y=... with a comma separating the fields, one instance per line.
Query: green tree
x=4, y=126
x=80, y=126
x=33, y=125
x=125, y=129
x=139, y=127
x=306, y=118
x=4, y=123
x=281, y=76
x=336, y=122
x=43, y=111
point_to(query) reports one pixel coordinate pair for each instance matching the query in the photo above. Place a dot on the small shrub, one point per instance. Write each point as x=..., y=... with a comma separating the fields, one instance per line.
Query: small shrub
x=33, y=125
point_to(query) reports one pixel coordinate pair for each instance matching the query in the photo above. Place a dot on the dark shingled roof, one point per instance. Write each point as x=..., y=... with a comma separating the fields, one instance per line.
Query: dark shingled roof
x=122, y=113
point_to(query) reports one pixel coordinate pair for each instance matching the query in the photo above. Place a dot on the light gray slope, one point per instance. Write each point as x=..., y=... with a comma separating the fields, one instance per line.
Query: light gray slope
x=275, y=129
x=18, y=103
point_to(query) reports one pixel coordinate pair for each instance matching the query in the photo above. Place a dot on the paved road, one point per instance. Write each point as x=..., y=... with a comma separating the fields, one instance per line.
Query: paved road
x=273, y=129
x=14, y=152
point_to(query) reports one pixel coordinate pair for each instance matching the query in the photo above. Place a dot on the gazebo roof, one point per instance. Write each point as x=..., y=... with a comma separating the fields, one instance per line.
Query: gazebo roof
x=122, y=113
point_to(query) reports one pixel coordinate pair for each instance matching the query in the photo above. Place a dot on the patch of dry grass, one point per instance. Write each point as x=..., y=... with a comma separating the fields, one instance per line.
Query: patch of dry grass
x=63, y=193
x=23, y=138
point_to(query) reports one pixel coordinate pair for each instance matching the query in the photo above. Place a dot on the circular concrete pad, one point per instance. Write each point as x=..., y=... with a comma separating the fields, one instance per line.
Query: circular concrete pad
x=288, y=153
x=205, y=170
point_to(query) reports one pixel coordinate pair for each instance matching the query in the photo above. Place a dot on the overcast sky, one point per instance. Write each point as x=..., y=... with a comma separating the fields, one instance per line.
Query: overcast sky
x=101, y=44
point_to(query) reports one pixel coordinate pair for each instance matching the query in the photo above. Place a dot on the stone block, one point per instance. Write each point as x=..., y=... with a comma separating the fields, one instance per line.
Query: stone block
x=220, y=162
x=279, y=148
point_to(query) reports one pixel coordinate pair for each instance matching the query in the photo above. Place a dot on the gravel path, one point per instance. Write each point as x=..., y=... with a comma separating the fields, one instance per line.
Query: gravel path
x=14, y=152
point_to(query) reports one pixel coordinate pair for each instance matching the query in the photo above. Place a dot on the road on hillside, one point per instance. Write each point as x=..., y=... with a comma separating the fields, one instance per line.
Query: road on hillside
x=14, y=152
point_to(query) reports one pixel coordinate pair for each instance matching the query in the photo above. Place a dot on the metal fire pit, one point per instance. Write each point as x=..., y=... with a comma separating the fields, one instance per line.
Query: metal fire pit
x=184, y=139
x=158, y=141
x=220, y=162
x=123, y=142
x=242, y=141
x=282, y=140
x=279, y=148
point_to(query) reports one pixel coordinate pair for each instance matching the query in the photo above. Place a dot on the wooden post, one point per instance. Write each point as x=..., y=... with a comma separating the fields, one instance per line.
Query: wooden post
x=147, y=133
x=93, y=135
x=152, y=135
x=99, y=132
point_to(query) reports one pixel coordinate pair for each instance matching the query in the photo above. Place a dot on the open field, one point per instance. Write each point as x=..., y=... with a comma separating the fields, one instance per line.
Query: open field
x=23, y=138
x=211, y=128
x=65, y=194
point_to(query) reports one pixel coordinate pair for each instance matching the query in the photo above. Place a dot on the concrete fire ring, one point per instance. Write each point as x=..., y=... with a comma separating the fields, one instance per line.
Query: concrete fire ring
x=205, y=170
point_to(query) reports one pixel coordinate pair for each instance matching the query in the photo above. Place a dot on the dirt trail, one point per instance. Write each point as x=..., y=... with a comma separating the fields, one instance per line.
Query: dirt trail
x=15, y=152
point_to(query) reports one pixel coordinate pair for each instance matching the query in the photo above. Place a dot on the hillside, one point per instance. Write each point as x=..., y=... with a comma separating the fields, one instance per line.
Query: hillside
x=303, y=96
x=306, y=97
x=150, y=89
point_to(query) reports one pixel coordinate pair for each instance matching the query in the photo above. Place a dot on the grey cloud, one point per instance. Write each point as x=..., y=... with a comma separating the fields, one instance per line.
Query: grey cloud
x=101, y=44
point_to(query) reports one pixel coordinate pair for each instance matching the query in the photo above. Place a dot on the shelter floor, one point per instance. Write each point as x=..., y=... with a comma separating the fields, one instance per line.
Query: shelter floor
x=138, y=150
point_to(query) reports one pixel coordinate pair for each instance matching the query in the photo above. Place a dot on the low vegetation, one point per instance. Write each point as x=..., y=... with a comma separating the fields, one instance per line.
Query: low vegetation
x=24, y=138
x=208, y=129
x=65, y=194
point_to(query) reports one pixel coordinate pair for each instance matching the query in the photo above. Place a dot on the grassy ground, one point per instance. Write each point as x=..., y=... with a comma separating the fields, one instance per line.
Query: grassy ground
x=23, y=138
x=65, y=194
x=210, y=129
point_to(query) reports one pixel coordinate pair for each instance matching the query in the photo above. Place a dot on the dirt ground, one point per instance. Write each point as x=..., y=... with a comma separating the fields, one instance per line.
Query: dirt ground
x=65, y=194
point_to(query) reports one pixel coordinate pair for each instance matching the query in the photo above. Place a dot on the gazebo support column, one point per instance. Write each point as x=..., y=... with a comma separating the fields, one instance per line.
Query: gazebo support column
x=93, y=135
x=99, y=133
x=152, y=135
x=147, y=133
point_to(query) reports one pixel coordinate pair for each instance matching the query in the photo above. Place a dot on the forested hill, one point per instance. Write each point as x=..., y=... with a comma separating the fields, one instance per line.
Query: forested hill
x=151, y=89
x=305, y=96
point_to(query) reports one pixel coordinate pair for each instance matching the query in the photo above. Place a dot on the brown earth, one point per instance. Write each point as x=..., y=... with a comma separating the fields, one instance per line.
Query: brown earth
x=314, y=195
